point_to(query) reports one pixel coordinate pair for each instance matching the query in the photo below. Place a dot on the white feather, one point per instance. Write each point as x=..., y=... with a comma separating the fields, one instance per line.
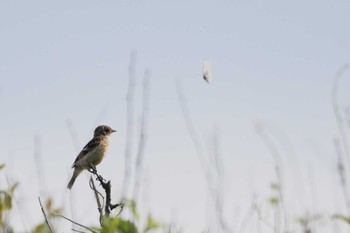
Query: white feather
x=207, y=71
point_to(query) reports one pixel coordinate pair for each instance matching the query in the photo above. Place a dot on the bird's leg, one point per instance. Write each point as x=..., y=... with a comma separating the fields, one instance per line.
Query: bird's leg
x=100, y=178
x=92, y=169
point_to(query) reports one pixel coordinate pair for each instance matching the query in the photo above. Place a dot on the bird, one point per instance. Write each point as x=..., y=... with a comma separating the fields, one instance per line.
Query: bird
x=93, y=153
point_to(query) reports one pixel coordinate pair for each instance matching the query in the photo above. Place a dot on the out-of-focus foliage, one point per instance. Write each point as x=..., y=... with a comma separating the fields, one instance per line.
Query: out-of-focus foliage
x=120, y=225
x=152, y=224
x=132, y=206
x=51, y=214
x=6, y=202
x=342, y=217
x=111, y=224
x=274, y=199
x=6, y=206
x=41, y=228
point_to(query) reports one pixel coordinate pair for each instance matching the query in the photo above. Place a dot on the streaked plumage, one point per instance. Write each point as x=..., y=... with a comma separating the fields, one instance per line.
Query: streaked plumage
x=93, y=153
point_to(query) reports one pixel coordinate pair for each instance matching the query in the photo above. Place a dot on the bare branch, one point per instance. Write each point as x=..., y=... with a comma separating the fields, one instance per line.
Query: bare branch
x=107, y=187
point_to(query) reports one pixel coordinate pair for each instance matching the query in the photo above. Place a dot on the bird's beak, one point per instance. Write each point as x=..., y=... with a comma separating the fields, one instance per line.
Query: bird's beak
x=114, y=130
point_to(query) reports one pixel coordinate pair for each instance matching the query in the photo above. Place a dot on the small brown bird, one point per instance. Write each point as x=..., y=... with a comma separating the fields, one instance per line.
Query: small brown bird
x=93, y=153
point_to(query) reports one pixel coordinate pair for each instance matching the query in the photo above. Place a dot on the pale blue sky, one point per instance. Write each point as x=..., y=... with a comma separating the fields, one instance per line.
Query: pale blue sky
x=272, y=61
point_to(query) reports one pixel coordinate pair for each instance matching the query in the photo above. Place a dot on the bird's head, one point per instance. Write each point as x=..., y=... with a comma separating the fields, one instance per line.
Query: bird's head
x=103, y=130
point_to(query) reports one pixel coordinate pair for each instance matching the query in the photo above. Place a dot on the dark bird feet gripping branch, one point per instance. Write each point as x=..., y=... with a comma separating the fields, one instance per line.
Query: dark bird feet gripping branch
x=106, y=185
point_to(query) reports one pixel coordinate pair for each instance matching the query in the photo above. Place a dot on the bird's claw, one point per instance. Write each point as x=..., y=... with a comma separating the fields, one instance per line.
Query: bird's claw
x=92, y=169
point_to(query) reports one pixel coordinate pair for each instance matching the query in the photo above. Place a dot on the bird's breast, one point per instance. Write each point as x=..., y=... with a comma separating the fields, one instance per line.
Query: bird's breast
x=96, y=155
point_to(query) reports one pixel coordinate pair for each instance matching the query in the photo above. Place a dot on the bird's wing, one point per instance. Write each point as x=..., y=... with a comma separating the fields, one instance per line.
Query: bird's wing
x=89, y=147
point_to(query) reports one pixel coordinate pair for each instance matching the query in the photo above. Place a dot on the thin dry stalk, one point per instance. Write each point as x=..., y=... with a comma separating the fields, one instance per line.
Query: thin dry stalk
x=46, y=220
x=347, y=116
x=78, y=224
x=245, y=221
x=314, y=197
x=19, y=206
x=74, y=134
x=130, y=123
x=189, y=124
x=107, y=187
x=20, y=211
x=77, y=231
x=343, y=146
x=261, y=218
x=217, y=172
x=278, y=162
x=143, y=133
x=193, y=134
x=337, y=112
x=38, y=164
x=213, y=174
x=342, y=173
x=103, y=112
x=99, y=205
x=75, y=139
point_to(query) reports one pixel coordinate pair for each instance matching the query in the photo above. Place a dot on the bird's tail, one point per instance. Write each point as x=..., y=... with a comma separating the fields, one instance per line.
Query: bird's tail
x=76, y=173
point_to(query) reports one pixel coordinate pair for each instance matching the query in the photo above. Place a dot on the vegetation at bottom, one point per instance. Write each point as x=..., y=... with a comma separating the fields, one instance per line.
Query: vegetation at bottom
x=51, y=214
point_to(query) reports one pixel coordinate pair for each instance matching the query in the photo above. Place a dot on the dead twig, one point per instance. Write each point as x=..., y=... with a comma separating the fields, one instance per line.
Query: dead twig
x=99, y=205
x=77, y=231
x=78, y=224
x=46, y=220
x=107, y=187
